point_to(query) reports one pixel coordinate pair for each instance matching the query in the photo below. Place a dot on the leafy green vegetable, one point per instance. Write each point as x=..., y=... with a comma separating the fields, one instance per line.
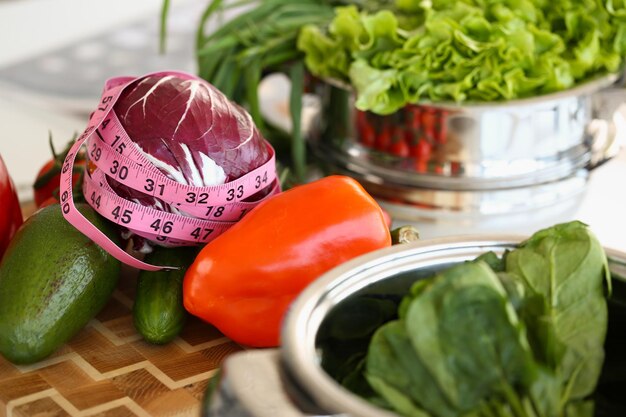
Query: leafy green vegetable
x=460, y=50
x=520, y=336
x=298, y=152
x=566, y=265
x=165, y=7
x=460, y=347
x=495, y=263
x=398, y=374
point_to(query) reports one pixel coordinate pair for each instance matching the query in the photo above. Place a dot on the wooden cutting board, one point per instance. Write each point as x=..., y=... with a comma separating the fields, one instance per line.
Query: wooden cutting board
x=108, y=370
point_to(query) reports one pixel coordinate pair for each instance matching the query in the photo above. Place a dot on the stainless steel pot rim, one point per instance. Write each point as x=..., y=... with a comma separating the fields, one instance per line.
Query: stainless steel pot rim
x=298, y=343
x=378, y=173
x=586, y=87
x=307, y=312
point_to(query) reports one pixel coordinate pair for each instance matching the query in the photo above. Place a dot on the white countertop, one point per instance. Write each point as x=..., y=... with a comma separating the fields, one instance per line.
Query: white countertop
x=604, y=205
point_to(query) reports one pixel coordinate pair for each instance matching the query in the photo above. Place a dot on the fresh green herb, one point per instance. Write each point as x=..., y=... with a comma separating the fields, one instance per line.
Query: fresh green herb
x=165, y=8
x=298, y=150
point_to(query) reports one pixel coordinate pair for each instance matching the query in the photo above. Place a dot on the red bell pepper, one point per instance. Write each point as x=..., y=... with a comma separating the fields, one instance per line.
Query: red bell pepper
x=11, y=218
x=243, y=281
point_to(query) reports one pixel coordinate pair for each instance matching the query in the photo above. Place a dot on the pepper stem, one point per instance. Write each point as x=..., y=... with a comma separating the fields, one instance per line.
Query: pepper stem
x=404, y=234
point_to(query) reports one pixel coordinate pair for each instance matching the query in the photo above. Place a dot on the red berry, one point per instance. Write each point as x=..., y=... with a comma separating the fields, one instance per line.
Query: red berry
x=367, y=136
x=399, y=148
x=383, y=140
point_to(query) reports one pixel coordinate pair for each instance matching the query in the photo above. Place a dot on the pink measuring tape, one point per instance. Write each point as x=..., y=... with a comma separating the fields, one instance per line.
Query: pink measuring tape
x=206, y=212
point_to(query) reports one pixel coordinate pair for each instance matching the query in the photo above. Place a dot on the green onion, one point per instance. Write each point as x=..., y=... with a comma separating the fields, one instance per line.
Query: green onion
x=253, y=77
x=163, y=29
x=298, y=148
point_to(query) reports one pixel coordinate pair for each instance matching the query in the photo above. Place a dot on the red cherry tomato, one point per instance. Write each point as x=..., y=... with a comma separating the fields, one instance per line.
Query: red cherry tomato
x=48, y=177
x=47, y=184
x=421, y=165
x=415, y=117
x=441, y=135
x=367, y=136
x=383, y=140
x=429, y=120
x=422, y=150
x=399, y=147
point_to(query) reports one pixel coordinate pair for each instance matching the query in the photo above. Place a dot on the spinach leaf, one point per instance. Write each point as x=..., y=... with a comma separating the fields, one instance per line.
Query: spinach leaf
x=397, y=374
x=580, y=409
x=517, y=336
x=515, y=290
x=497, y=264
x=564, y=267
x=416, y=290
x=467, y=333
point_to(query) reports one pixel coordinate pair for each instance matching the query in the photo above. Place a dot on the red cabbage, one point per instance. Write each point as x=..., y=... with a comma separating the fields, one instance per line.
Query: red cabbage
x=191, y=132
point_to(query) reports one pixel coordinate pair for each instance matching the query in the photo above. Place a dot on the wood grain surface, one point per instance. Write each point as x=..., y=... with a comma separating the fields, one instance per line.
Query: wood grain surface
x=108, y=370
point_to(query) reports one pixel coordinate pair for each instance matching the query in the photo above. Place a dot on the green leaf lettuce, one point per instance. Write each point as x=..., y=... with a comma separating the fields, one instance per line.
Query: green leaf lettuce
x=466, y=50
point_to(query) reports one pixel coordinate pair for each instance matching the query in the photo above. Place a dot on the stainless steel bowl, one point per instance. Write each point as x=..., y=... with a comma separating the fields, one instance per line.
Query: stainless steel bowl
x=292, y=381
x=484, y=158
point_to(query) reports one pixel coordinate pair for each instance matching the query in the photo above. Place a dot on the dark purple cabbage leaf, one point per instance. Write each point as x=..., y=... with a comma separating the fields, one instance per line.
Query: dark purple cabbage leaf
x=165, y=114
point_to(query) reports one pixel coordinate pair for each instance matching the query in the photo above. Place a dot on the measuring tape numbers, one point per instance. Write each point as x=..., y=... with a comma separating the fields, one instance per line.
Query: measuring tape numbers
x=195, y=215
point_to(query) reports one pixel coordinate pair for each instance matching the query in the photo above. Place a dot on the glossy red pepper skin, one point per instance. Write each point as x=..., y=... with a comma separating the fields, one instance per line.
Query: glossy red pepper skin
x=243, y=281
x=11, y=218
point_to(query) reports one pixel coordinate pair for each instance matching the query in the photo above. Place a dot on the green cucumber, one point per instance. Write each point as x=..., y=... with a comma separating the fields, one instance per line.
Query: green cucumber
x=53, y=280
x=158, y=311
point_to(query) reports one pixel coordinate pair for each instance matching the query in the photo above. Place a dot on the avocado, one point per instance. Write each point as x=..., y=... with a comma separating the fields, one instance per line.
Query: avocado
x=53, y=280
